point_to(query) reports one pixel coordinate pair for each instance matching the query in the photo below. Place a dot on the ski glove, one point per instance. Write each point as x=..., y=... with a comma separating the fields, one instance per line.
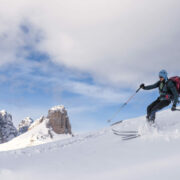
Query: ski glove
x=142, y=86
x=173, y=108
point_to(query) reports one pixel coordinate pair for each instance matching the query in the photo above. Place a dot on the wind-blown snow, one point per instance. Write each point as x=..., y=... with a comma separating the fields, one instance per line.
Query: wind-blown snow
x=102, y=155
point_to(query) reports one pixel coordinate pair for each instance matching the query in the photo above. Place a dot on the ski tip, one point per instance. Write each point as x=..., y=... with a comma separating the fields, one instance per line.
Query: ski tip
x=116, y=123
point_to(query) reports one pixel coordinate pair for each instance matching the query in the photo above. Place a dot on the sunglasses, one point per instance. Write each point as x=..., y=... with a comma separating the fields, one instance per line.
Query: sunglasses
x=160, y=77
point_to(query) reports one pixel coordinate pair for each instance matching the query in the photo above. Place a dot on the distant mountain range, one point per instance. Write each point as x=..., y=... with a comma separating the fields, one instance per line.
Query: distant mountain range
x=29, y=133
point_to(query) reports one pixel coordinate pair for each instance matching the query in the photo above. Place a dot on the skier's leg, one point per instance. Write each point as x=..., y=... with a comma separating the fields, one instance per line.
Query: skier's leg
x=158, y=107
x=150, y=107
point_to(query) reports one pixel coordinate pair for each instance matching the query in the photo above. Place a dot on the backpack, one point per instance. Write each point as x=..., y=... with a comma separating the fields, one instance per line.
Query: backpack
x=176, y=81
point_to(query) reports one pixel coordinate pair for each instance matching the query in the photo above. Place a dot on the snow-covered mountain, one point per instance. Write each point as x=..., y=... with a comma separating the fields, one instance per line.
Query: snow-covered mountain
x=7, y=129
x=24, y=125
x=38, y=133
x=101, y=155
x=43, y=130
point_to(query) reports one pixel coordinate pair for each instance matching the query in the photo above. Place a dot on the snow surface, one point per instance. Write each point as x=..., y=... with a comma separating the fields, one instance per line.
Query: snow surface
x=101, y=155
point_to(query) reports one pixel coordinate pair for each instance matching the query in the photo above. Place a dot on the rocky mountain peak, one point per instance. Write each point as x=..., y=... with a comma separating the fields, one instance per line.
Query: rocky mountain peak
x=7, y=129
x=24, y=125
x=59, y=120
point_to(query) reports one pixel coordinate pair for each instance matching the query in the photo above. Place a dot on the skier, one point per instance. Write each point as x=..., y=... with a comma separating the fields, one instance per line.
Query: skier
x=168, y=93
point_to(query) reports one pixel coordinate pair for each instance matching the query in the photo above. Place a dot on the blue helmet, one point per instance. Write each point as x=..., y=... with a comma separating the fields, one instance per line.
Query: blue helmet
x=164, y=74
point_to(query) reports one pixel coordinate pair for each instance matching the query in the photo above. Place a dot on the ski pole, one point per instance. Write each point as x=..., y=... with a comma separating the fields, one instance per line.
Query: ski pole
x=115, y=114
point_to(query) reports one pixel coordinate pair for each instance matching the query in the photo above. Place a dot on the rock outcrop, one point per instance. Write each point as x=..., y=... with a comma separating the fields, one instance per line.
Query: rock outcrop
x=7, y=129
x=45, y=129
x=59, y=120
x=24, y=125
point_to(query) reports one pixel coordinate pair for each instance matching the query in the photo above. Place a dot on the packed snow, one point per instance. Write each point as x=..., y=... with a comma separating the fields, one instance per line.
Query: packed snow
x=100, y=155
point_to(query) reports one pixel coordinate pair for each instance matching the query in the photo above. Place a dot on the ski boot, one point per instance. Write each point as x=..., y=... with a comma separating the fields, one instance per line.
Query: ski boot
x=150, y=121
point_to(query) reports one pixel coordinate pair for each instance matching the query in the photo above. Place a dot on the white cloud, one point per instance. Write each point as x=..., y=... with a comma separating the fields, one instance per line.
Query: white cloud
x=96, y=92
x=121, y=42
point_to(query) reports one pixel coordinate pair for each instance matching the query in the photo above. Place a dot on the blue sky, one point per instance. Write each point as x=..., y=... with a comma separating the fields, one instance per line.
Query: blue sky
x=90, y=56
x=33, y=88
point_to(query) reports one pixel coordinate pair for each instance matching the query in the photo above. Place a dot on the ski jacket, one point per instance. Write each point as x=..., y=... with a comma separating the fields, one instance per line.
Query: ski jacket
x=167, y=90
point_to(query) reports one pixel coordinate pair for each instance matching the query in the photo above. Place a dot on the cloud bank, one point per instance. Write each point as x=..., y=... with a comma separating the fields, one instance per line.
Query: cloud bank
x=119, y=42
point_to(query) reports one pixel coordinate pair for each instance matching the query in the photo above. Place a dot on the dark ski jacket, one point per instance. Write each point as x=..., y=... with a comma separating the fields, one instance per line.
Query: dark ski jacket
x=167, y=90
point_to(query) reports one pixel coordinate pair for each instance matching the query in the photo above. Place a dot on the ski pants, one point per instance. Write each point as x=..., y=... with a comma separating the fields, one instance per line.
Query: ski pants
x=155, y=107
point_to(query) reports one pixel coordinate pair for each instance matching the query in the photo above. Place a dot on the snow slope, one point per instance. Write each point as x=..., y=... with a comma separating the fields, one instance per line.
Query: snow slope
x=102, y=155
x=37, y=134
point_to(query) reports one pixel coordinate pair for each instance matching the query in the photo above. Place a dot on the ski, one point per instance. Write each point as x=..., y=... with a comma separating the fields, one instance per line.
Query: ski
x=126, y=135
x=131, y=137
x=118, y=122
x=124, y=132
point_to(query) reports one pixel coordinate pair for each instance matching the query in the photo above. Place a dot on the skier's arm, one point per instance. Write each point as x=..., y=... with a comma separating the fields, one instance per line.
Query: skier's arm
x=153, y=86
x=174, y=92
